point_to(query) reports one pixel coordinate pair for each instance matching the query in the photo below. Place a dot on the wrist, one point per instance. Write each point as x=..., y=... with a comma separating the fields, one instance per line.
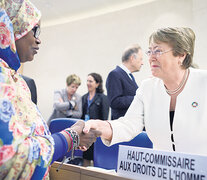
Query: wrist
x=68, y=139
x=72, y=138
x=108, y=131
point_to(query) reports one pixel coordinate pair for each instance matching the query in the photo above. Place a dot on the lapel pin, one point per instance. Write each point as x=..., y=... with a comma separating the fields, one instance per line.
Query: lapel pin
x=194, y=104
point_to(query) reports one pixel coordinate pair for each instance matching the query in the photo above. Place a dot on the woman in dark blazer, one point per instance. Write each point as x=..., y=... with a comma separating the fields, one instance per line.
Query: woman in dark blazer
x=95, y=105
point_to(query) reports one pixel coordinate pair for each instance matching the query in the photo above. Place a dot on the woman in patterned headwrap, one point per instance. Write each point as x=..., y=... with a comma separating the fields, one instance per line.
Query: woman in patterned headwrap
x=26, y=147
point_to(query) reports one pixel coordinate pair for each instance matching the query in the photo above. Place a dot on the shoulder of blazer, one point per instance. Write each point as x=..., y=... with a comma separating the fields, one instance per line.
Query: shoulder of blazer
x=26, y=78
x=118, y=73
x=119, y=70
x=30, y=82
x=123, y=73
x=77, y=96
x=100, y=96
x=63, y=93
x=84, y=97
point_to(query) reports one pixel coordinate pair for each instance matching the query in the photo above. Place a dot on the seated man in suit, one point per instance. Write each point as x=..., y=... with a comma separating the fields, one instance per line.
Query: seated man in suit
x=120, y=84
x=32, y=87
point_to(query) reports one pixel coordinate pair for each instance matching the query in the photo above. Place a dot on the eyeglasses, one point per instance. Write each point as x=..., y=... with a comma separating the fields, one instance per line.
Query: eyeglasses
x=157, y=52
x=36, y=31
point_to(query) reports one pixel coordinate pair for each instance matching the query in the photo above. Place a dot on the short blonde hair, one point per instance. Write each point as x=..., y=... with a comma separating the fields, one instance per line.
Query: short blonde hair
x=181, y=39
x=73, y=78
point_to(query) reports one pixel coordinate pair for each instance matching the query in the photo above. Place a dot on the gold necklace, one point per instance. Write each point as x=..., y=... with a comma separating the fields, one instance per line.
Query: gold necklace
x=181, y=85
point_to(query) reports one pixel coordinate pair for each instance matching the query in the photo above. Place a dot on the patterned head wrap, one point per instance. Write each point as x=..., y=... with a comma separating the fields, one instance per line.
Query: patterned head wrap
x=7, y=43
x=23, y=14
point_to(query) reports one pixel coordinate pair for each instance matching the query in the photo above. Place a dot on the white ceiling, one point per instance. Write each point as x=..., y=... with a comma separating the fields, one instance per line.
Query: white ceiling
x=62, y=11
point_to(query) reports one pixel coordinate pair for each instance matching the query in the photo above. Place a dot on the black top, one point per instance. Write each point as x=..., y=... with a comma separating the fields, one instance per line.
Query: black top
x=98, y=109
x=171, y=127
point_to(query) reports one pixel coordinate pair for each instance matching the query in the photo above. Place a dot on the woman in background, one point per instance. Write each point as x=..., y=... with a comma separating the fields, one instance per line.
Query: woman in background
x=95, y=105
x=67, y=103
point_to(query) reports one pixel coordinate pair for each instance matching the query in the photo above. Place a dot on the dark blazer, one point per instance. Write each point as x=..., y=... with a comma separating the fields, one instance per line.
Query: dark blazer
x=99, y=109
x=120, y=92
x=32, y=87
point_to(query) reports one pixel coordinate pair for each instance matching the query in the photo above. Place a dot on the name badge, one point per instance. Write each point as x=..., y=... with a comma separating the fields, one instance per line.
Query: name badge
x=87, y=117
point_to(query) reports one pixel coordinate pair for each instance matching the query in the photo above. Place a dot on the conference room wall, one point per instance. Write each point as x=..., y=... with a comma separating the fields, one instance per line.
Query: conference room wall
x=95, y=45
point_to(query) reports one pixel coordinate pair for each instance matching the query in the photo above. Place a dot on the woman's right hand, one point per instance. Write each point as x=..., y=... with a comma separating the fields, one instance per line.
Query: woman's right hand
x=86, y=139
x=103, y=126
x=92, y=124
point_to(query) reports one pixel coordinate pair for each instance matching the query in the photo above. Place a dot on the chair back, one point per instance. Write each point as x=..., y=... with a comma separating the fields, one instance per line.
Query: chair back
x=107, y=157
x=59, y=124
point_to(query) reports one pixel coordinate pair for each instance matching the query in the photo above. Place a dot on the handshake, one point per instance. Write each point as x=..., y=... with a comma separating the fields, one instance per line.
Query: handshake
x=87, y=135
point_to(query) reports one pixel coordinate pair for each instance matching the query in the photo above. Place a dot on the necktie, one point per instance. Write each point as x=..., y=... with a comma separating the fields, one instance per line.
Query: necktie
x=132, y=77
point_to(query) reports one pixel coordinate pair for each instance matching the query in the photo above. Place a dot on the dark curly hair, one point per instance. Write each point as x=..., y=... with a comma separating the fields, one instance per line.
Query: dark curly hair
x=98, y=79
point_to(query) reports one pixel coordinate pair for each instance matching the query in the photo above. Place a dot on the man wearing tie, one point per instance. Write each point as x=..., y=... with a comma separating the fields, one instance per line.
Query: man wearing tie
x=120, y=84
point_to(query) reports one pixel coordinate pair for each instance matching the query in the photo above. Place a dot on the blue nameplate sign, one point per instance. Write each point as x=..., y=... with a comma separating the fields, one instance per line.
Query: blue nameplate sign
x=143, y=163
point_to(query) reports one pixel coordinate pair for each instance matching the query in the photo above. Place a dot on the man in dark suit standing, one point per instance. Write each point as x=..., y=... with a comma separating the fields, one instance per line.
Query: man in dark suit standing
x=120, y=84
x=32, y=87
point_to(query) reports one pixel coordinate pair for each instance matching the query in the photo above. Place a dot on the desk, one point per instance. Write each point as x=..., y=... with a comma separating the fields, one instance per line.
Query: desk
x=73, y=172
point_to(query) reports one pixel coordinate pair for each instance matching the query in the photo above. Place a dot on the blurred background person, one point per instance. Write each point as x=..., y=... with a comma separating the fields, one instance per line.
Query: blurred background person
x=120, y=84
x=67, y=103
x=95, y=106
